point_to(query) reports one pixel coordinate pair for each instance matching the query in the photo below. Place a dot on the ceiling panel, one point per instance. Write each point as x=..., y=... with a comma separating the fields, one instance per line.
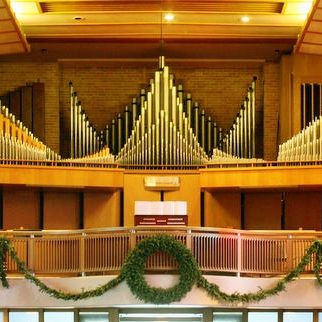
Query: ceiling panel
x=55, y=27
x=141, y=5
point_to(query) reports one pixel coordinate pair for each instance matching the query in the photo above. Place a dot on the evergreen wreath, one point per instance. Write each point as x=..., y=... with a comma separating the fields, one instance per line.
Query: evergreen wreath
x=133, y=272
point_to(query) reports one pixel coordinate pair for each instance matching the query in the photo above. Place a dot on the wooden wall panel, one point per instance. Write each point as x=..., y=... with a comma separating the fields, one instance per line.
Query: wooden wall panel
x=189, y=191
x=262, y=210
x=303, y=209
x=102, y=209
x=21, y=208
x=222, y=209
x=134, y=191
x=62, y=210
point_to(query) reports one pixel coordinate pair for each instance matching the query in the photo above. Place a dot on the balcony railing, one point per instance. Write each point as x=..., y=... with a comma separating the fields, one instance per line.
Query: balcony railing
x=103, y=251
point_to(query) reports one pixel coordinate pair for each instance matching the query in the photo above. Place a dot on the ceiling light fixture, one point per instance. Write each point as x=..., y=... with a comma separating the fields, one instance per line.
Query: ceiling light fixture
x=245, y=19
x=169, y=17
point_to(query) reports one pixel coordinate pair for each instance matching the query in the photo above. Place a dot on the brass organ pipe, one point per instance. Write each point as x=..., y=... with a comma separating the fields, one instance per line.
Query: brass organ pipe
x=165, y=94
x=162, y=136
x=241, y=126
x=119, y=133
x=249, y=124
x=174, y=137
x=157, y=141
x=134, y=111
x=142, y=100
x=180, y=93
x=149, y=145
x=215, y=136
x=127, y=128
x=87, y=136
x=170, y=142
x=180, y=118
x=220, y=138
x=72, y=130
x=189, y=108
x=153, y=144
x=209, y=132
x=76, y=126
x=79, y=117
x=157, y=97
x=149, y=110
x=83, y=134
x=113, y=137
x=166, y=138
x=107, y=136
x=174, y=105
x=203, y=129
x=253, y=104
x=196, y=119
x=237, y=136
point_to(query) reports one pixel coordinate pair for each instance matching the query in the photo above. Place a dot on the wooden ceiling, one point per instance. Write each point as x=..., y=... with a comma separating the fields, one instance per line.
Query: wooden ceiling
x=119, y=29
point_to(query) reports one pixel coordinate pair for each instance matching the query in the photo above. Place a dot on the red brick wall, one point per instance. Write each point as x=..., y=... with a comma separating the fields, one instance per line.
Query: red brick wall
x=271, y=103
x=14, y=75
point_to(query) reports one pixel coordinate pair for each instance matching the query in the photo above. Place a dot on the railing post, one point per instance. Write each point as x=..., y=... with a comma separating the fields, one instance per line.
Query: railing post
x=82, y=254
x=289, y=253
x=239, y=255
x=189, y=240
x=132, y=239
x=31, y=249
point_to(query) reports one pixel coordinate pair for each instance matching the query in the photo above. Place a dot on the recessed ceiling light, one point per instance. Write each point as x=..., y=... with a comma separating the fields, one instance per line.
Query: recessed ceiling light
x=169, y=16
x=245, y=19
x=79, y=18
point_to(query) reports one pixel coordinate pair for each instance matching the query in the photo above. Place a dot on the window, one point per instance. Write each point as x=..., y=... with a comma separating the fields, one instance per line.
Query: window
x=93, y=317
x=1, y=316
x=61, y=316
x=164, y=317
x=263, y=316
x=228, y=317
x=298, y=317
x=27, y=316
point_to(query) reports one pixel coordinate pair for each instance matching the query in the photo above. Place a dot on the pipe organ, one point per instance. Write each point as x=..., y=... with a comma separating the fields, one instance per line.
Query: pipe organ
x=85, y=139
x=239, y=140
x=304, y=146
x=17, y=143
x=163, y=126
x=311, y=102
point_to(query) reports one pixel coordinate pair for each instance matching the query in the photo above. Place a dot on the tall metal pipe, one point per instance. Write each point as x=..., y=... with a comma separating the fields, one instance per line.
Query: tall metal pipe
x=127, y=120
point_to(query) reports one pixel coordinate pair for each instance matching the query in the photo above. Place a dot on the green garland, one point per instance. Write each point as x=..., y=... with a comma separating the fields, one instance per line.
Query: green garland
x=189, y=275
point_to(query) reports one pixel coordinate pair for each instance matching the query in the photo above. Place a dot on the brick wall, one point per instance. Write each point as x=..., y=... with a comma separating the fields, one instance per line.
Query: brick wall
x=14, y=75
x=105, y=91
x=271, y=103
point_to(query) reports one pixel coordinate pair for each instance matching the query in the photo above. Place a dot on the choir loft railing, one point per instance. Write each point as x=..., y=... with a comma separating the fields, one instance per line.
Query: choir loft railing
x=103, y=251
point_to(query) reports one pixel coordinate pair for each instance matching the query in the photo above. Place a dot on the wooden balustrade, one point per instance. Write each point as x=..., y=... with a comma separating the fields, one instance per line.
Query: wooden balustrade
x=103, y=251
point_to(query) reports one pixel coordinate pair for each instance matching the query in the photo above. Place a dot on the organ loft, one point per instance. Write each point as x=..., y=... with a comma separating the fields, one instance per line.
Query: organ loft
x=170, y=149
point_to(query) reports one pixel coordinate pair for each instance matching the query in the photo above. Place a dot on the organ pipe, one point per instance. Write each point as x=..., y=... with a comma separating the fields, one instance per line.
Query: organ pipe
x=240, y=138
x=164, y=126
